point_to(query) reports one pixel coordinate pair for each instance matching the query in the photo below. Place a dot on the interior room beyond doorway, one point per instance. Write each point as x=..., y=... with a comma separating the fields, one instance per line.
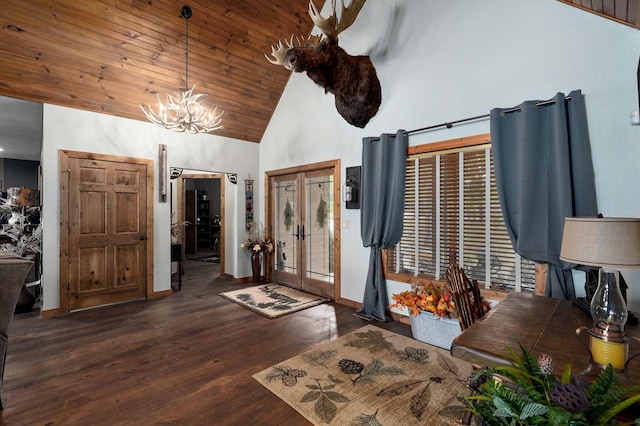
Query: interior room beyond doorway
x=200, y=200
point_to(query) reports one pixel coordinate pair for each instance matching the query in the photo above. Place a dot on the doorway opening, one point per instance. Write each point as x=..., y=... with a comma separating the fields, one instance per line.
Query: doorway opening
x=200, y=201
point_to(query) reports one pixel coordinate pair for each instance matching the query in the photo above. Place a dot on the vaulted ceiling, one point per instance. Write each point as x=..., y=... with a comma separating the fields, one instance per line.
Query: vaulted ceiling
x=623, y=11
x=109, y=56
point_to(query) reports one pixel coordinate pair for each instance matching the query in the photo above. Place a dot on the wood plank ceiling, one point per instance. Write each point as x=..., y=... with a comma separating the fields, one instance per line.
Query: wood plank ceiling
x=623, y=11
x=109, y=56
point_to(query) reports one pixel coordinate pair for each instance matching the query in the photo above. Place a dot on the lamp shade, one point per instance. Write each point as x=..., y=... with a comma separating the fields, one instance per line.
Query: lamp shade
x=609, y=242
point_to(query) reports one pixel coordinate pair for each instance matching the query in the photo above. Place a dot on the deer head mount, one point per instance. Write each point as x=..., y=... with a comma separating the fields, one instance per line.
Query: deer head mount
x=352, y=79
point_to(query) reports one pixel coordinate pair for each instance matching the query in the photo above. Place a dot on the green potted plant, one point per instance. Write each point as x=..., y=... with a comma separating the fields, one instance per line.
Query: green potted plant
x=527, y=392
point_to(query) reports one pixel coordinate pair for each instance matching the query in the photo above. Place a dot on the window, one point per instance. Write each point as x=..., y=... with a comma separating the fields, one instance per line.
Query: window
x=452, y=215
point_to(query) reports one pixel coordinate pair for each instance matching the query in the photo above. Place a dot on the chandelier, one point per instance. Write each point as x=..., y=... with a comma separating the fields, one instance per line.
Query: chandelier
x=184, y=111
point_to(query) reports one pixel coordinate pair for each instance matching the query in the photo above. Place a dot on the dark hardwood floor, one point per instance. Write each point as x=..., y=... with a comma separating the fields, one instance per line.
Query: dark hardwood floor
x=186, y=359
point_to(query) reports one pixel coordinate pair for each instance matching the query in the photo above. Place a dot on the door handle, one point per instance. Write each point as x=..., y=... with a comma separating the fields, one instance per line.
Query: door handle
x=302, y=233
x=141, y=237
x=297, y=234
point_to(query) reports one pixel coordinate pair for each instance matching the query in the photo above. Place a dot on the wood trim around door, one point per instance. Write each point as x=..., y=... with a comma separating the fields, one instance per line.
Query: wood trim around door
x=64, y=169
x=331, y=164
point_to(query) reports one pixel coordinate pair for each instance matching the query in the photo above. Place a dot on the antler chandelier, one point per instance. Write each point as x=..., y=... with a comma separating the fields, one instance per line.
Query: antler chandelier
x=184, y=111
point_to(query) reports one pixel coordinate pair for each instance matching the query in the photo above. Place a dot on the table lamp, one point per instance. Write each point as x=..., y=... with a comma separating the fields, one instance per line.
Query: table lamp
x=610, y=243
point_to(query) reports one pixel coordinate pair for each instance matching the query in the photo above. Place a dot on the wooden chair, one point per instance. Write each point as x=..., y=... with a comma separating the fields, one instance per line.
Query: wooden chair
x=466, y=296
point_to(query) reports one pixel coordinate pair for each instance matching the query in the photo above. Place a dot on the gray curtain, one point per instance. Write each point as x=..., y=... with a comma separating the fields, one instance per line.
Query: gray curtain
x=384, y=166
x=544, y=173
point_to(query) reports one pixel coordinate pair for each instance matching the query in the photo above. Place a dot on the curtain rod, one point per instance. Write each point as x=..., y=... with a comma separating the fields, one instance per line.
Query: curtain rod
x=450, y=124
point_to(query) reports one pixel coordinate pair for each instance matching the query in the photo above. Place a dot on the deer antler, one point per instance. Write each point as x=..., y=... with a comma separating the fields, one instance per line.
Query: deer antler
x=279, y=53
x=331, y=26
x=309, y=41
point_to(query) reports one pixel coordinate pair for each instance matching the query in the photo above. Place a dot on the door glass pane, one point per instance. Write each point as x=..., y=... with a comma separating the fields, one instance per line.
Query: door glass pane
x=285, y=226
x=319, y=228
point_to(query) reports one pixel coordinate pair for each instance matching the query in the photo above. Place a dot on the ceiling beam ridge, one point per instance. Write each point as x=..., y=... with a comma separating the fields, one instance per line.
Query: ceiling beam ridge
x=618, y=11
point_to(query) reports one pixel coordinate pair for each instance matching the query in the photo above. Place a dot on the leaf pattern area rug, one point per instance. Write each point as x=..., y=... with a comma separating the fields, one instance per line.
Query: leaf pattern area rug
x=372, y=376
x=273, y=300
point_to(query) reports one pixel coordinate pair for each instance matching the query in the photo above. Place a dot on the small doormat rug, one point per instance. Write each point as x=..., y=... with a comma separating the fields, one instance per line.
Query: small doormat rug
x=273, y=300
x=372, y=376
x=214, y=259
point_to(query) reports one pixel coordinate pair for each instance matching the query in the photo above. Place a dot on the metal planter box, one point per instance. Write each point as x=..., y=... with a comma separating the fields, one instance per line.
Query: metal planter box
x=434, y=330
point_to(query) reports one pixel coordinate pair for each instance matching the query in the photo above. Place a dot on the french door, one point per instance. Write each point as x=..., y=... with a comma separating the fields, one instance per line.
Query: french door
x=304, y=219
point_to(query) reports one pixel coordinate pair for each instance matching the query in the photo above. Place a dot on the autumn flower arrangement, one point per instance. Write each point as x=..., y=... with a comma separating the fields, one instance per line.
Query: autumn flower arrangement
x=429, y=297
x=426, y=297
x=257, y=243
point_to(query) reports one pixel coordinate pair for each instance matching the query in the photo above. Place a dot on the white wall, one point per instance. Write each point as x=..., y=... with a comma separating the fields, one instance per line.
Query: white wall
x=442, y=62
x=78, y=130
x=449, y=60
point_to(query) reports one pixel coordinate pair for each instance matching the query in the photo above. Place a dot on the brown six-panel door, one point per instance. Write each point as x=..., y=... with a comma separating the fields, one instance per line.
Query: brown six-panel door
x=106, y=231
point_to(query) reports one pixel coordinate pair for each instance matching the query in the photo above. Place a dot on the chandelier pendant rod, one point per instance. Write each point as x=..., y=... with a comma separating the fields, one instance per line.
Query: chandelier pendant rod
x=186, y=16
x=184, y=111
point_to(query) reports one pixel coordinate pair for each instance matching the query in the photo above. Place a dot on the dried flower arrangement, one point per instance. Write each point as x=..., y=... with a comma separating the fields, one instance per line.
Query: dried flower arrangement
x=429, y=297
x=256, y=242
x=177, y=228
x=26, y=239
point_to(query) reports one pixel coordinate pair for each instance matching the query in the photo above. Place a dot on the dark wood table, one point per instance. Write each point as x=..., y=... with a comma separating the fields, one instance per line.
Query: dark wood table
x=540, y=324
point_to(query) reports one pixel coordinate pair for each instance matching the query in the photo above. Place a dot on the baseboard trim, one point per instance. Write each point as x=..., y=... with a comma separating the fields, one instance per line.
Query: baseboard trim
x=49, y=313
x=163, y=293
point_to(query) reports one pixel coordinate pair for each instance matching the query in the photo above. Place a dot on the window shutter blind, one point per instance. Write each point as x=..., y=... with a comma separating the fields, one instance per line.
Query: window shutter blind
x=404, y=253
x=448, y=212
x=427, y=217
x=452, y=215
x=474, y=216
